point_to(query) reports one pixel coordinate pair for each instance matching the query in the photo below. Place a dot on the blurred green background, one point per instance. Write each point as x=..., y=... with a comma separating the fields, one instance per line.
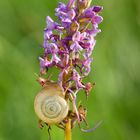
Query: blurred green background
x=116, y=71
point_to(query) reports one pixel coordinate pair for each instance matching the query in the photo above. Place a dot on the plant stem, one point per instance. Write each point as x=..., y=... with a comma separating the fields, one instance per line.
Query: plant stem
x=68, y=130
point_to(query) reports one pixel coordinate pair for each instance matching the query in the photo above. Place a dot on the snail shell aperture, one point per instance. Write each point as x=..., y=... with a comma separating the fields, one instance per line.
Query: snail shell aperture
x=50, y=105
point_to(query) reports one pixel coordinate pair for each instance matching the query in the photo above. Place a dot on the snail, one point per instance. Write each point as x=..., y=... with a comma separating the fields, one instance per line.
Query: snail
x=50, y=105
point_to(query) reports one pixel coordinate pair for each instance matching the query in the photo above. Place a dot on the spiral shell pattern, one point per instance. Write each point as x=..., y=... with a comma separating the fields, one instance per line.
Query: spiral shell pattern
x=50, y=109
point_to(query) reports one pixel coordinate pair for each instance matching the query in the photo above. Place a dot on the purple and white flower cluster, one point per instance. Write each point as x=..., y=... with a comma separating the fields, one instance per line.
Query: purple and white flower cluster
x=69, y=43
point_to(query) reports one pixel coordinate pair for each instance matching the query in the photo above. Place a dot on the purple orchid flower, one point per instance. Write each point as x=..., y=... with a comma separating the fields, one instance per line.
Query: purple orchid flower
x=55, y=58
x=77, y=78
x=66, y=40
x=65, y=14
x=50, y=23
x=86, y=64
x=43, y=64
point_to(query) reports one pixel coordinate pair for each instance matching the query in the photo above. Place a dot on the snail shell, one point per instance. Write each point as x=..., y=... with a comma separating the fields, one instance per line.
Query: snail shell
x=50, y=105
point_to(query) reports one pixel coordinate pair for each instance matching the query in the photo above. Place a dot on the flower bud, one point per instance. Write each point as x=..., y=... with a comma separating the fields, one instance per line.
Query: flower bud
x=83, y=4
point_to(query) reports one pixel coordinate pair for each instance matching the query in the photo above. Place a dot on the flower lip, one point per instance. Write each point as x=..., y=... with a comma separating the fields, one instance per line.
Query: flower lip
x=55, y=58
x=50, y=23
x=75, y=47
x=97, y=19
x=89, y=13
x=47, y=34
x=76, y=36
x=44, y=63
